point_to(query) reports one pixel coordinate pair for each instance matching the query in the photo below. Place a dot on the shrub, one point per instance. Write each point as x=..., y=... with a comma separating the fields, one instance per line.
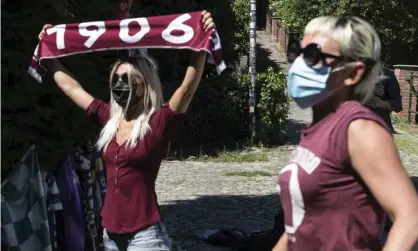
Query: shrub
x=241, y=10
x=217, y=118
x=42, y=115
x=273, y=105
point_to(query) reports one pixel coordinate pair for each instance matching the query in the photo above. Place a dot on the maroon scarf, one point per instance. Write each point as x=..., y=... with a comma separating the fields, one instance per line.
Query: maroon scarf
x=179, y=31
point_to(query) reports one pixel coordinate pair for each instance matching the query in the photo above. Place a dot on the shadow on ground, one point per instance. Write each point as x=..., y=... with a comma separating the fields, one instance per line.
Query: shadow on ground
x=186, y=218
x=263, y=59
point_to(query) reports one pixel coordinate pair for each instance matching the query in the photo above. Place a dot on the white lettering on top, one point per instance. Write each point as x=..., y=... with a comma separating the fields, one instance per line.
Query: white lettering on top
x=306, y=159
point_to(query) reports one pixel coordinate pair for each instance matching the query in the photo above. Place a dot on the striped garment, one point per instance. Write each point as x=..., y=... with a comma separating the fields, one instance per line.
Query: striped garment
x=23, y=207
x=53, y=204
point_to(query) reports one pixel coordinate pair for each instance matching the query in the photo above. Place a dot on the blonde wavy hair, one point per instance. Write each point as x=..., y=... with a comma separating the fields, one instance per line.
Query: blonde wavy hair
x=142, y=69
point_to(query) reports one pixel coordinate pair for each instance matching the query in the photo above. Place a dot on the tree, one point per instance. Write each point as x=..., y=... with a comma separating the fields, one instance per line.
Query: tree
x=40, y=114
x=396, y=21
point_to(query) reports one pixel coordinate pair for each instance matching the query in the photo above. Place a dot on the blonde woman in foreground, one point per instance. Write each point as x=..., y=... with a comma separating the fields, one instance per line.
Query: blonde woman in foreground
x=345, y=175
x=137, y=128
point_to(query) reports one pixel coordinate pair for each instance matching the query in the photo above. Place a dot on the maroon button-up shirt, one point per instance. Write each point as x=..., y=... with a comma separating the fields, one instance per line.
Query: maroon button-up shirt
x=131, y=202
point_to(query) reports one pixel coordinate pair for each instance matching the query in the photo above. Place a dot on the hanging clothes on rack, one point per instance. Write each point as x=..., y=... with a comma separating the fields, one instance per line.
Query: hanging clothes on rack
x=72, y=225
x=23, y=207
x=56, y=210
x=53, y=205
x=99, y=180
x=99, y=177
x=83, y=160
x=82, y=184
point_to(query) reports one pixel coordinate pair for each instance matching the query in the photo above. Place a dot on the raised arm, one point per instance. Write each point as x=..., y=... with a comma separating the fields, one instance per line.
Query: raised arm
x=182, y=97
x=374, y=156
x=65, y=81
x=281, y=245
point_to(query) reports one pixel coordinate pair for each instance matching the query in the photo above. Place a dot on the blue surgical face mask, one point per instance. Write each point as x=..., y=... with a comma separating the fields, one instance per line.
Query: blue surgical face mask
x=307, y=85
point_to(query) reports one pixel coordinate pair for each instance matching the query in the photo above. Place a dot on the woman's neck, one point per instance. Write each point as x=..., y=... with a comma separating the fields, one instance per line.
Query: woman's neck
x=331, y=103
x=134, y=111
x=323, y=109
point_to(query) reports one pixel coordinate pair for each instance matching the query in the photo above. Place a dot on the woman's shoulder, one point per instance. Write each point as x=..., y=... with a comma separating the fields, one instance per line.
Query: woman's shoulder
x=353, y=106
x=163, y=110
x=99, y=109
x=354, y=110
x=164, y=114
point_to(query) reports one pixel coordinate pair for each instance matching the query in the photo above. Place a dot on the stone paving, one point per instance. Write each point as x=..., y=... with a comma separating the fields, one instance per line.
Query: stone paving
x=197, y=196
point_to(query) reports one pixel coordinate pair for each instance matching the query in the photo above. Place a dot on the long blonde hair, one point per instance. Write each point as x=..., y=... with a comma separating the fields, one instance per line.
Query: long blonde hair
x=143, y=69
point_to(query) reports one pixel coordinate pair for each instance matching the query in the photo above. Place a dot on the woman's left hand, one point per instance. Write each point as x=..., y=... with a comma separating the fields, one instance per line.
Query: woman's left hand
x=207, y=21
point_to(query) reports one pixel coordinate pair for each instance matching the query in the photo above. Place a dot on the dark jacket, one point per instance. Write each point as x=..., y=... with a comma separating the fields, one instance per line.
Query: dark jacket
x=392, y=93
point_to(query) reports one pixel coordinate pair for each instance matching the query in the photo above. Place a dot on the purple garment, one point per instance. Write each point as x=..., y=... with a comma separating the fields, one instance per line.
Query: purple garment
x=73, y=210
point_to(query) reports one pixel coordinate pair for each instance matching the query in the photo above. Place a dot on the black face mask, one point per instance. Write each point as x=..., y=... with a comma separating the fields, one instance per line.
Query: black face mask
x=121, y=90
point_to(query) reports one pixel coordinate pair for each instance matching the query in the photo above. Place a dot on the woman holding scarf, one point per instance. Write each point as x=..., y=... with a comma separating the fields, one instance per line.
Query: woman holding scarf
x=137, y=128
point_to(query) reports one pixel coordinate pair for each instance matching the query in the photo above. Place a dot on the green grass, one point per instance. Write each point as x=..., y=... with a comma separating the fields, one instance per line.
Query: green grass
x=402, y=124
x=406, y=143
x=179, y=182
x=233, y=157
x=260, y=153
x=248, y=174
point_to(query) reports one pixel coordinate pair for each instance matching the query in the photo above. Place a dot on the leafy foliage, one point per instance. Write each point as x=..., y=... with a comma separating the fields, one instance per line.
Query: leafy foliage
x=396, y=21
x=42, y=115
x=241, y=9
x=217, y=118
x=273, y=106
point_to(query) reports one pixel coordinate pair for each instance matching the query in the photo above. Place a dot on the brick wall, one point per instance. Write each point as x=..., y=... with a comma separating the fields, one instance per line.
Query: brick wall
x=274, y=29
x=277, y=33
x=282, y=38
x=268, y=22
x=402, y=73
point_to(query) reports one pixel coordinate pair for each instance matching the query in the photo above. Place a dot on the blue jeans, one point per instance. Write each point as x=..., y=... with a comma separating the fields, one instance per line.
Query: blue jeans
x=153, y=238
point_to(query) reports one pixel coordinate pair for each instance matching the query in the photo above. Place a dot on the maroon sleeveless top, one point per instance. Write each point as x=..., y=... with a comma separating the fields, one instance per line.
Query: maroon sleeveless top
x=326, y=204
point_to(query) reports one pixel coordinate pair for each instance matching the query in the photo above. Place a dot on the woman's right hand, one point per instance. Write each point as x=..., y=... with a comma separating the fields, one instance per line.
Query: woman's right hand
x=43, y=31
x=68, y=84
x=52, y=62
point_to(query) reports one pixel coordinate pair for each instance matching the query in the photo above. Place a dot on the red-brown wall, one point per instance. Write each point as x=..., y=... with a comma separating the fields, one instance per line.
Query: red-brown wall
x=402, y=73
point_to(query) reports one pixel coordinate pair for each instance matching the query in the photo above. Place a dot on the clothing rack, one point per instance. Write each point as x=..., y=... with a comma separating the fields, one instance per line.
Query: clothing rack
x=67, y=203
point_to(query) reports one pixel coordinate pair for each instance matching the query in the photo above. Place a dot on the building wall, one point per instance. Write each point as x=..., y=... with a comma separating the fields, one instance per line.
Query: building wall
x=402, y=73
